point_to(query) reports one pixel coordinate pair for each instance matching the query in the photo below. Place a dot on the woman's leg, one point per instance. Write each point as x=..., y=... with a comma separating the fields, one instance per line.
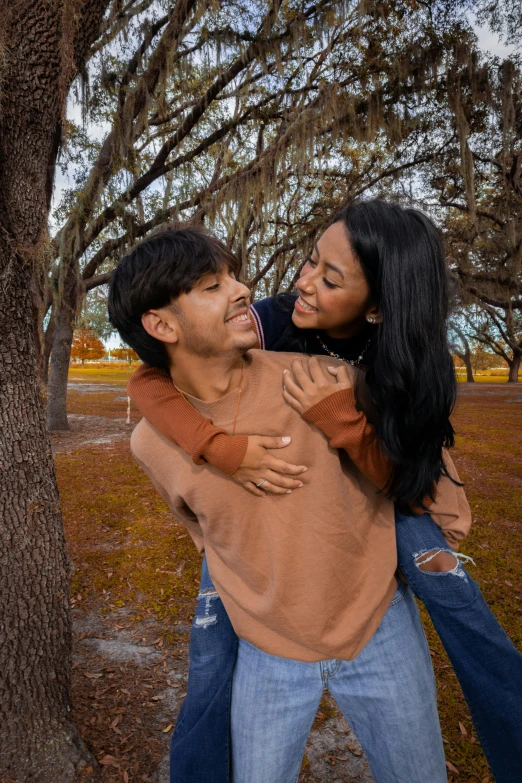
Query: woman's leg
x=487, y=664
x=200, y=747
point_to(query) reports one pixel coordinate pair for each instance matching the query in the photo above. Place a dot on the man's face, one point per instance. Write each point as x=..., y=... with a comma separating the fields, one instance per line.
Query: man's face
x=213, y=318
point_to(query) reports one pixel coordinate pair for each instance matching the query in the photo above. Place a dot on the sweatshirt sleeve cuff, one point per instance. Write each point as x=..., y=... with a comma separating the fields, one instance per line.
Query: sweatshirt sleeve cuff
x=337, y=408
x=225, y=452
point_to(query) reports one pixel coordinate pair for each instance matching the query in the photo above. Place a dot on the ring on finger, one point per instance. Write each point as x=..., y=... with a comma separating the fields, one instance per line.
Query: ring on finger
x=261, y=483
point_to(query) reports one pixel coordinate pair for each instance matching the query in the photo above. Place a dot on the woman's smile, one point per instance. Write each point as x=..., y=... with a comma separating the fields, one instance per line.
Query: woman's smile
x=303, y=307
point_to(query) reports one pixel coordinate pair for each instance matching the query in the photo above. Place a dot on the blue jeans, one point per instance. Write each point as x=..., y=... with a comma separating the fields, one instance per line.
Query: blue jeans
x=200, y=746
x=387, y=694
x=487, y=664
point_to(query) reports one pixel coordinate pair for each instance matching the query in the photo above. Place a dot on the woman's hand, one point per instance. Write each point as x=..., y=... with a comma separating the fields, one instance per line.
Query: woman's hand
x=308, y=383
x=260, y=466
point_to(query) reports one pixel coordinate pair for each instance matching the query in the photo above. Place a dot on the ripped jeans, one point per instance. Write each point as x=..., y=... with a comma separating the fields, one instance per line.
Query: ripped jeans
x=200, y=746
x=487, y=664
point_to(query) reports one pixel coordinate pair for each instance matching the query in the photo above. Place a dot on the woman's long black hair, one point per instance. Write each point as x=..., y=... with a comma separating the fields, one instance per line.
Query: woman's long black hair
x=411, y=379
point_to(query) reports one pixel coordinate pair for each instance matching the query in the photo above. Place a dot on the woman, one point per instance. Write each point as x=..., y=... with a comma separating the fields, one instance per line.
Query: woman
x=374, y=293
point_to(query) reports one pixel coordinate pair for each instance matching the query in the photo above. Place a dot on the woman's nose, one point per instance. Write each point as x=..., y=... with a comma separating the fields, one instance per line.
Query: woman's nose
x=305, y=284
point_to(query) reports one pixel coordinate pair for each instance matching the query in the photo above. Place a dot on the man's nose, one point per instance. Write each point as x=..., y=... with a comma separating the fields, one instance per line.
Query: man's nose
x=240, y=291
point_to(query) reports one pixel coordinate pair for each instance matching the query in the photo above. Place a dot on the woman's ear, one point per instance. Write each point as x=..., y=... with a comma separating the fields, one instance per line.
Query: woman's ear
x=373, y=316
x=161, y=324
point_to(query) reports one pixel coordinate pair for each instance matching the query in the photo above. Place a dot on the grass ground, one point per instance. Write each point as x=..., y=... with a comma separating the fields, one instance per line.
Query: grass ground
x=135, y=577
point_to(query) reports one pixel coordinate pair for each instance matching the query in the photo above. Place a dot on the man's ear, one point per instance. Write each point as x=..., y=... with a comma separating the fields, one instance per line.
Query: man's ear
x=161, y=324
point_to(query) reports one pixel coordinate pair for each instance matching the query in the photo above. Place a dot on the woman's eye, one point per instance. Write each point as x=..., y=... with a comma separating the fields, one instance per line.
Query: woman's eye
x=328, y=284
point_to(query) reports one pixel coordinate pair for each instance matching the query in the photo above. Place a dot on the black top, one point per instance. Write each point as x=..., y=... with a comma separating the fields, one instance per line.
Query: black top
x=273, y=317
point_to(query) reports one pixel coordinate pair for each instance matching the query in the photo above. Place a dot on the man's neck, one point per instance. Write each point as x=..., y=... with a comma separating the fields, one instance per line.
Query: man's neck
x=208, y=379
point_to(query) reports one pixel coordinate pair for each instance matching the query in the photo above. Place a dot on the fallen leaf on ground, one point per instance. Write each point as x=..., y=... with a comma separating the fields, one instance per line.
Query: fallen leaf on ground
x=108, y=760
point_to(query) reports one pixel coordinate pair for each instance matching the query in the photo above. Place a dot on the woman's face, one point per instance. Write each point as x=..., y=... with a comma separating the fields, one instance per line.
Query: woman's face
x=333, y=291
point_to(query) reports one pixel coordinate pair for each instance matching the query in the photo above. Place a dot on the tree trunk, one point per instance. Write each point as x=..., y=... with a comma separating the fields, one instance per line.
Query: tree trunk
x=514, y=367
x=61, y=354
x=38, y=741
x=466, y=358
x=47, y=347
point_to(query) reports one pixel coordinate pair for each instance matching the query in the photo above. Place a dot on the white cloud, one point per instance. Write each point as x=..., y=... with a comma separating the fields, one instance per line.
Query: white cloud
x=490, y=42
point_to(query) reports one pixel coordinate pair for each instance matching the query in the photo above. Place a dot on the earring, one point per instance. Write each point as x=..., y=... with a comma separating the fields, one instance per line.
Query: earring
x=370, y=320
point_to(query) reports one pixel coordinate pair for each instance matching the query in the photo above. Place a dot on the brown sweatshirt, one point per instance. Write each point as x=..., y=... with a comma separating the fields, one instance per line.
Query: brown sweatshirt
x=166, y=409
x=306, y=576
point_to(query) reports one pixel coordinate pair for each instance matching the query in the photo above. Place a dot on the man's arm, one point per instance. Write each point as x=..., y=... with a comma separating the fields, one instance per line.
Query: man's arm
x=174, y=501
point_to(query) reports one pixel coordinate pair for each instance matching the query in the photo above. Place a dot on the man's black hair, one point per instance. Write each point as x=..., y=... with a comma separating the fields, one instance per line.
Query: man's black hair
x=155, y=273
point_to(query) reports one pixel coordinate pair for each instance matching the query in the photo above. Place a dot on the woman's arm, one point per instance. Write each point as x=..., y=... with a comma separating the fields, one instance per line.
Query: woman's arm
x=169, y=412
x=327, y=400
x=244, y=458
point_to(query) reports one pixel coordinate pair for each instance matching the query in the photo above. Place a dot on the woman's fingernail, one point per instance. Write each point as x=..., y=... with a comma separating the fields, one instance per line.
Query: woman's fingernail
x=300, y=485
x=331, y=368
x=304, y=470
x=284, y=372
x=288, y=491
x=286, y=440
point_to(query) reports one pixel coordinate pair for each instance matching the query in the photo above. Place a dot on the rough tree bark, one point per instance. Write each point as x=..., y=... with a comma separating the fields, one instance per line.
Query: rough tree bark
x=38, y=741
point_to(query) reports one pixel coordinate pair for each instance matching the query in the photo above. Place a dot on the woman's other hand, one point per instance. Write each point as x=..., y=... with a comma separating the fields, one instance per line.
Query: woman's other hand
x=260, y=467
x=309, y=383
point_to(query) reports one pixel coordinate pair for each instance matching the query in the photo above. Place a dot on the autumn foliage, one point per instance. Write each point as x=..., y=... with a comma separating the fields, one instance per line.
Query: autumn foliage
x=125, y=353
x=86, y=345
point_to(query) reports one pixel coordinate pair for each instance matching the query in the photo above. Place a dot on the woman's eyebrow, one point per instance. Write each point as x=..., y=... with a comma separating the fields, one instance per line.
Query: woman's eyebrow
x=328, y=265
x=334, y=269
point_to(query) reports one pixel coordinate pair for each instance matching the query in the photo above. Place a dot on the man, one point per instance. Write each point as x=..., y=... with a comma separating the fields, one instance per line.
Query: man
x=307, y=579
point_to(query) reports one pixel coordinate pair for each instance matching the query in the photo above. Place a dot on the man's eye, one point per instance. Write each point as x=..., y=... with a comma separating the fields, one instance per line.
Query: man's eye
x=212, y=287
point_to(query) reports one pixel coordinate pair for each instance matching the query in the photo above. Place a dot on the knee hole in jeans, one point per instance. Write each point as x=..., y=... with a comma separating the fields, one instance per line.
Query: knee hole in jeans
x=441, y=561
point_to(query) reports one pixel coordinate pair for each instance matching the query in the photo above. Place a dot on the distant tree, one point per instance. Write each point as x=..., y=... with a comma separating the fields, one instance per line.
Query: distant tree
x=499, y=330
x=484, y=359
x=460, y=346
x=86, y=345
x=125, y=353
